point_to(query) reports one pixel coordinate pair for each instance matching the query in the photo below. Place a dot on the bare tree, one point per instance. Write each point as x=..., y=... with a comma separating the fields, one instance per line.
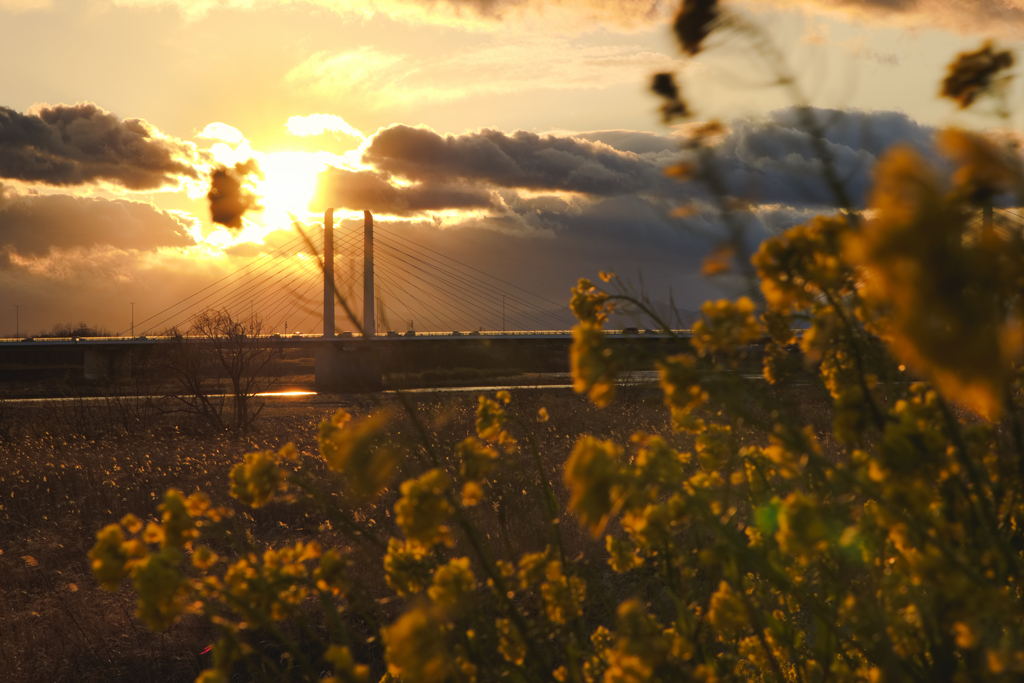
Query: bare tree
x=219, y=366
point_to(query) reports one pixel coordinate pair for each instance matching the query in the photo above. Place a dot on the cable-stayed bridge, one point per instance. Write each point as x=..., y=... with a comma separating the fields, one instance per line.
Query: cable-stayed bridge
x=395, y=283
x=392, y=291
x=356, y=294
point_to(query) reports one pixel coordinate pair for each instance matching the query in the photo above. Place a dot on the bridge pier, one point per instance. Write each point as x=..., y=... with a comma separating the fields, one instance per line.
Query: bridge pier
x=103, y=363
x=347, y=368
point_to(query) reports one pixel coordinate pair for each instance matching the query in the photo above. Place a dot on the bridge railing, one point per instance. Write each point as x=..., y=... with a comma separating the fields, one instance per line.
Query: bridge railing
x=391, y=334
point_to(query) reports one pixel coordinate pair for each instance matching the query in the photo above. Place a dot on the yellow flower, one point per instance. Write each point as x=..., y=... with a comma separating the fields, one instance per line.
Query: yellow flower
x=510, y=642
x=472, y=494
x=179, y=526
x=416, y=647
x=359, y=449
x=476, y=459
x=984, y=167
x=109, y=557
x=594, y=365
x=640, y=646
x=204, y=558
x=453, y=584
x=947, y=297
x=344, y=665
x=799, y=265
x=597, y=481
x=727, y=612
x=588, y=303
x=563, y=596
x=423, y=509
x=491, y=419
x=803, y=531
x=623, y=555
x=726, y=326
x=683, y=393
x=255, y=480
x=162, y=588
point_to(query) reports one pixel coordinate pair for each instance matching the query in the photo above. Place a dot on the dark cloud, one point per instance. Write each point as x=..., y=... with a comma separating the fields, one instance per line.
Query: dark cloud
x=964, y=16
x=78, y=144
x=770, y=160
x=521, y=160
x=366, y=190
x=34, y=225
x=773, y=160
x=635, y=141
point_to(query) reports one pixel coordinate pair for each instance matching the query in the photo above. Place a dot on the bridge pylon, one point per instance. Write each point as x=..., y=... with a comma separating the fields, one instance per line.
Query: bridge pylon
x=329, y=274
x=348, y=366
x=369, y=298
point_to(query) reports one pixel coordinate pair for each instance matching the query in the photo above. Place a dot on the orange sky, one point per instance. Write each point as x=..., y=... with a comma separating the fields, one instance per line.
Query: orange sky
x=303, y=86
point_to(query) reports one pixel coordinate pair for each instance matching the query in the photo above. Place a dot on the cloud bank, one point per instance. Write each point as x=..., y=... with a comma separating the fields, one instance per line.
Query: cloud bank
x=79, y=144
x=768, y=161
x=520, y=160
x=1000, y=17
x=476, y=14
x=34, y=226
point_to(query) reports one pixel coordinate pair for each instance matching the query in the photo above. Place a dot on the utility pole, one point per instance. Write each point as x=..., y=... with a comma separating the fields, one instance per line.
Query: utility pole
x=133, y=320
x=17, y=328
x=503, y=314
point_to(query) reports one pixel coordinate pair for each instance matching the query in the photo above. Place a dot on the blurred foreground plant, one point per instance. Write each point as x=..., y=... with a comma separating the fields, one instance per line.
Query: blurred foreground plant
x=882, y=542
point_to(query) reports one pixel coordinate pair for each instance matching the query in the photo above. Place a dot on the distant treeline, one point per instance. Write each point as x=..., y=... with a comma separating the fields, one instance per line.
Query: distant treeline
x=80, y=329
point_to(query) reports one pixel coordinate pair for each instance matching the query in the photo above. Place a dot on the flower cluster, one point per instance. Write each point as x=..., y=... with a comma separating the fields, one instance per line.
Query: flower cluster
x=852, y=526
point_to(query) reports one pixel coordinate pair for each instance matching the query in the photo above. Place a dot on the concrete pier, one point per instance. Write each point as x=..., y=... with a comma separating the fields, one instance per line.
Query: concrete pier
x=105, y=362
x=348, y=368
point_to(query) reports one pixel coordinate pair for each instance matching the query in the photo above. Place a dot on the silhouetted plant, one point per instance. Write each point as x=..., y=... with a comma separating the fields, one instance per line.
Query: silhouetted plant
x=219, y=349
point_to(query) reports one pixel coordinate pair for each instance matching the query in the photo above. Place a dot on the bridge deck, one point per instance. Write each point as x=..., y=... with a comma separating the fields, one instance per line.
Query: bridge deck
x=302, y=339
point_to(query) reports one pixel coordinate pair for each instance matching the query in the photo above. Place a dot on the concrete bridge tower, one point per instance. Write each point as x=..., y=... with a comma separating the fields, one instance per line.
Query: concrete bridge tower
x=329, y=274
x=344, y=365
x=369, y=298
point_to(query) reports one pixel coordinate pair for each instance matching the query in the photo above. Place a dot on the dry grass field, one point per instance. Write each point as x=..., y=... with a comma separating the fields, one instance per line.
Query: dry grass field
x=59, y=486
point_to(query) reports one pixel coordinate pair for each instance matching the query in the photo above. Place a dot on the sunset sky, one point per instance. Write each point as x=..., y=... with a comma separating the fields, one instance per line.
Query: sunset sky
x=519, y=136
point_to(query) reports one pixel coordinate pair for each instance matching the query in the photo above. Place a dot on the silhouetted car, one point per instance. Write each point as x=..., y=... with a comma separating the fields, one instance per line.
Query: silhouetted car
x=629, y=330
x=392, y=333
x=410, y=333
x=456, y=333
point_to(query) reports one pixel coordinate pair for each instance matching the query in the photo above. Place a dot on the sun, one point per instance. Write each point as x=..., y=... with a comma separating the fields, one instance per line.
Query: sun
x=288, y=184
x=285, y=190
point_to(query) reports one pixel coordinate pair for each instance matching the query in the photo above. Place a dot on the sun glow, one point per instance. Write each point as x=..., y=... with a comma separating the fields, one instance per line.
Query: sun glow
x=287, y=185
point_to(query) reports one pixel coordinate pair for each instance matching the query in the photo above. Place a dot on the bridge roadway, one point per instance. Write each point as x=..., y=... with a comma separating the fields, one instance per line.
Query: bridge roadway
x=300, y=340
x=344, y=362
